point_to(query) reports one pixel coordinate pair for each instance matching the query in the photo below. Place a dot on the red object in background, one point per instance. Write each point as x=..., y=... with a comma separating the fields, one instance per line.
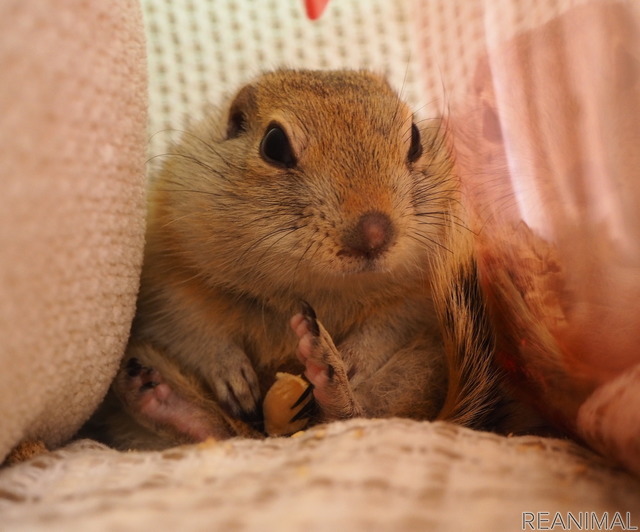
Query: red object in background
x=315, y=8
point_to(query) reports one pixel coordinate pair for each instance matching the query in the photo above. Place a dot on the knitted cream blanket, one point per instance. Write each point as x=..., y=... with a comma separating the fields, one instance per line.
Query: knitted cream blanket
x=359, y=475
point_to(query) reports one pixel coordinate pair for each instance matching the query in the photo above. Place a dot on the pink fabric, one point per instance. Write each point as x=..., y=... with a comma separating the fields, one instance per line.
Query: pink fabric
x=548, y=154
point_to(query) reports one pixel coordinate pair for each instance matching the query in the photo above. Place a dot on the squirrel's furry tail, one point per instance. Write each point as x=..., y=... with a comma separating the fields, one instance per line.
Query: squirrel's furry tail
x=477, y=392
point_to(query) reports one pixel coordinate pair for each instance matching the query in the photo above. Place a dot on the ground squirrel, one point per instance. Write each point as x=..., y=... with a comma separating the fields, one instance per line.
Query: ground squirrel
x=314, y=226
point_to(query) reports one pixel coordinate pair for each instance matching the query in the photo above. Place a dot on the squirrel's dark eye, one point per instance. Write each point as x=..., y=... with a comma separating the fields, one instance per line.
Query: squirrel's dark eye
x=275, y=147
x=415, y=150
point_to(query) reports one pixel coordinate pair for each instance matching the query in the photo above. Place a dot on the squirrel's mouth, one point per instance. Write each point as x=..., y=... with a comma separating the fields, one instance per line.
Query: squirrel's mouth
x=366, y=257
x=348, y=262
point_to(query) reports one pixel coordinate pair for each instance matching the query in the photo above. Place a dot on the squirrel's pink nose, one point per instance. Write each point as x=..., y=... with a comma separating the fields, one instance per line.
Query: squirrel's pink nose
x=370, y=236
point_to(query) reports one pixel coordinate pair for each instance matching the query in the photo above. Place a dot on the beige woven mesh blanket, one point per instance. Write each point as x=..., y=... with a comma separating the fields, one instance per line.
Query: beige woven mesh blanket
x=357, y=475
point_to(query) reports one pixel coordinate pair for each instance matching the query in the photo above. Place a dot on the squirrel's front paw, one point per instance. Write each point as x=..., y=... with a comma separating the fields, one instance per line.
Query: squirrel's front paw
x=323, y=366
x=235, y=384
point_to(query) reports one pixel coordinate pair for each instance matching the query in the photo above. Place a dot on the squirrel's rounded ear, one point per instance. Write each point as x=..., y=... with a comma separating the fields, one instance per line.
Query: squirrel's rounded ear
x=242, y=107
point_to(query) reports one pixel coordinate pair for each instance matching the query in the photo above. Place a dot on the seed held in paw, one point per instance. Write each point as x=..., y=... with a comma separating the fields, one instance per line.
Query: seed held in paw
x=287, y=397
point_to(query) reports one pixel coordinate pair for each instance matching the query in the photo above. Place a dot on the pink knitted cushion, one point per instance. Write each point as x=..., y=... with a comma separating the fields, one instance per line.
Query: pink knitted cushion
x=72, y=136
